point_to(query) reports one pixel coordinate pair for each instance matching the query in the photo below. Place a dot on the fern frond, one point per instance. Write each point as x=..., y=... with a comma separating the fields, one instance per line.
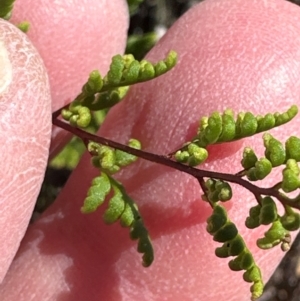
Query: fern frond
x=265, y=213
x=225, y=231
x=218, y=128
x=120, y=207
x=6, y=7
x=100, y=93
x=125, y=70
x=130, y=217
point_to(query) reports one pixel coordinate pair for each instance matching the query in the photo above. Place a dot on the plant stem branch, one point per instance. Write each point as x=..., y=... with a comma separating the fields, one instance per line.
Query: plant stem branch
x=199, y=174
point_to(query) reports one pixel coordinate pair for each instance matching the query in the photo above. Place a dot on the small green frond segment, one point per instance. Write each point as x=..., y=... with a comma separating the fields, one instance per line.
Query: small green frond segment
x=120, y=208
x=249, y=158
x=78, y=115
x=108, y=99
x=276, y=154
x=6, y=7
x=225, y=231
x=97, y=193
x=290, y=220
x=193, y=155
x=292, y=146
x=217, y=190
x=261, y=169
x=276, y=235
x=290, y=176
x=23, y=26
x=109, y=159
x=266, y=213
x=218, y=128
x=140, y=44
x=133, y=5
x=129, y=216
x=103, y=93
x=275, y=151
x=70, y=155
x=126, y=70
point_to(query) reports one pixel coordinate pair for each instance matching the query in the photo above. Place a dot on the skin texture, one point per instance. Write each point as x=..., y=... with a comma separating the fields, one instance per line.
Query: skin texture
x=73, y=37
x=24, y=138
x=233, y=53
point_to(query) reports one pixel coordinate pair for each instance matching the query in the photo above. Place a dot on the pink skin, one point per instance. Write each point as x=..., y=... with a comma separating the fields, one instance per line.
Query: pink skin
x=233, y=53
x=25, y=138
x=88, y=34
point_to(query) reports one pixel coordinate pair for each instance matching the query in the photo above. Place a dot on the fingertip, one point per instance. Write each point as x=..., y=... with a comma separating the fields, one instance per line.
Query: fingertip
x=6, y=69
x=25, y=124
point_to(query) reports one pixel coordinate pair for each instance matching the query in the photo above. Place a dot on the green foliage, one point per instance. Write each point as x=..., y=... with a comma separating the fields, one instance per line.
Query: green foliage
x=253, y=221
x=268, y=211
x=276, y=155
x=193, y=155
x=218, y=128
x=290, y=176
x=261, y=169
x=249, y=158
x=109, y=159
x=6, y=7
x=217, y=190
x=97, y=193
x=120, y=207
x=265, y=213
x=133, y=5
x=275, y=235
x=70, y=155
x=290, y=220
x=99, y=94
x=224, y=231
x=102, y=93
x=24, y=26
x=140, y=44
x=275, y=151
x=292, y=146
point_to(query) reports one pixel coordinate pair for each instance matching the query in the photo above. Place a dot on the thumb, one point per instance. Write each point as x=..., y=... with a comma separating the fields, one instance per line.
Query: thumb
x=25, y=126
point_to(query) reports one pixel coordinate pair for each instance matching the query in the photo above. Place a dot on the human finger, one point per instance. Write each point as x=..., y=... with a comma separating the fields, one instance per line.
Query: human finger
x=94, y=261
